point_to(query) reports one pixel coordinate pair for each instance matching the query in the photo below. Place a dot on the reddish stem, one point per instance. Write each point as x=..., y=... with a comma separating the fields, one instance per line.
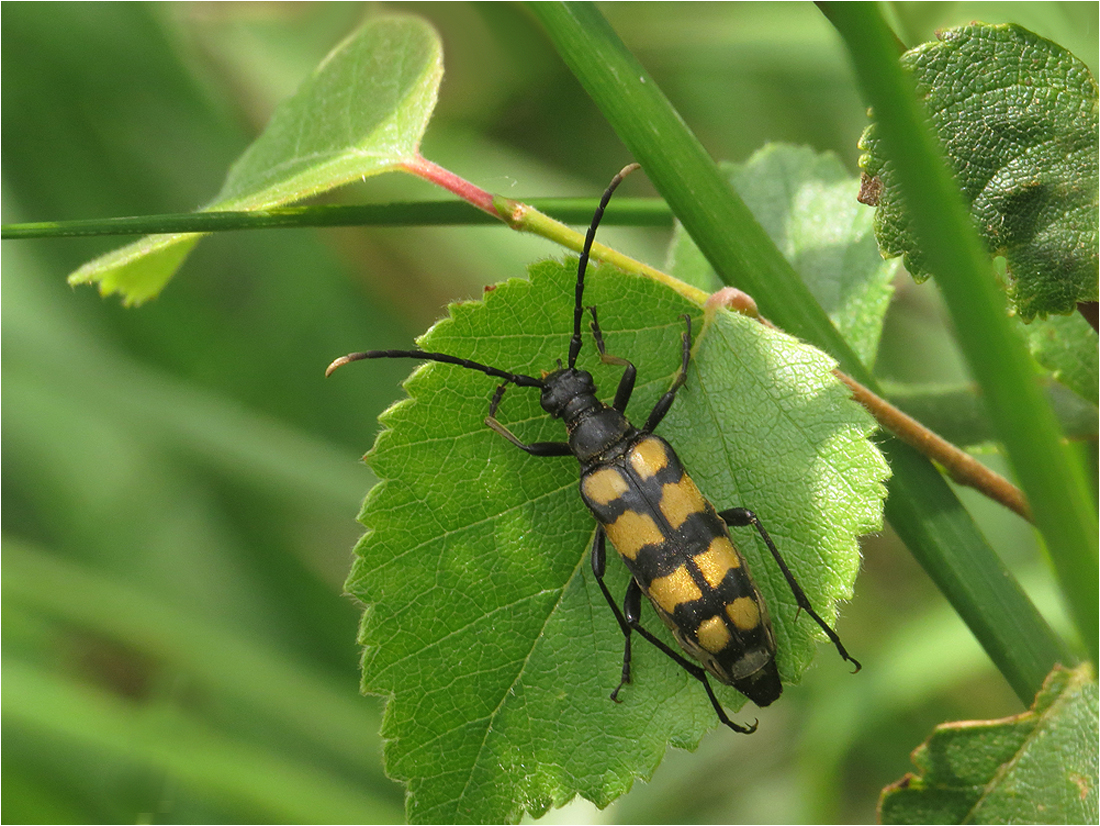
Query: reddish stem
x=468, y=192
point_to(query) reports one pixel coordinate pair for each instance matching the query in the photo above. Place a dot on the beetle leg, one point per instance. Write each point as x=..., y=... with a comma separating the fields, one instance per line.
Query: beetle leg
x=741, y=517
x=599, y=565
x=632, y=611
x=535, y=448
x=701, y=675
x=631, y=621
x=665, y=402
x=626, y=383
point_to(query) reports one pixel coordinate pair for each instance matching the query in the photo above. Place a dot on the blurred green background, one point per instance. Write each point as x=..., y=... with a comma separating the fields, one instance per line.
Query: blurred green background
x=180, y=483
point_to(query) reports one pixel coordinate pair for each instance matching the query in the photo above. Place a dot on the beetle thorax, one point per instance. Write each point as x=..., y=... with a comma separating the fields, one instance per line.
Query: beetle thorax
x=594, y=428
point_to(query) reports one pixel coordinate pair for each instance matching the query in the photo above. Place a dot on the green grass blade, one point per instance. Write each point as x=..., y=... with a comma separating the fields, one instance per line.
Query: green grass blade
x=266, y=680
x=1051, y=477
x=184, y=749
x=921, y=507
x=628, y=212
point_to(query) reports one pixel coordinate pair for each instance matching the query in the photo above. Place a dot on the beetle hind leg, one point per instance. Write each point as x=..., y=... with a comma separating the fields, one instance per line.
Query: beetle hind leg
x=742, y=517
x=629, y=619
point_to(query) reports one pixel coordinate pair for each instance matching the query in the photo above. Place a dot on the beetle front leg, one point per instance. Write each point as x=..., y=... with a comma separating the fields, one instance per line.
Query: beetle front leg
x=630, y=374
x=664, y=404
x=535, y=448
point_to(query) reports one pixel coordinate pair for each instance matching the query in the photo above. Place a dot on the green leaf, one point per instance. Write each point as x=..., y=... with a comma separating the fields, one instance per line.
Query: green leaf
x=1066, y=345
x=484, y=623
x=803, y=200
x=1035, y=767
x=362, y=112
x=922, y=508
x=1052, y=478
x=1017, y=117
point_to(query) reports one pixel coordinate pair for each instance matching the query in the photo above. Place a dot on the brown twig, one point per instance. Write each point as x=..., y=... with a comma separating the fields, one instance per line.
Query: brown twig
x=960, y=465
x=1087, y=309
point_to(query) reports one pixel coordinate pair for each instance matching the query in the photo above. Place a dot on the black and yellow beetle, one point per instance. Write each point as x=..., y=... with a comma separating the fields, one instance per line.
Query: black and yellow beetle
x=675, y=545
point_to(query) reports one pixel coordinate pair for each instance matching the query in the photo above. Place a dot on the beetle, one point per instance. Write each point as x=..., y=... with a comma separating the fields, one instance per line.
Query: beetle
x=675, y=544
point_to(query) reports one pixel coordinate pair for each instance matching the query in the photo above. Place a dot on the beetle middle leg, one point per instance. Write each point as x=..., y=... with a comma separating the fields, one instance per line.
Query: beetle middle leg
x=629, y=620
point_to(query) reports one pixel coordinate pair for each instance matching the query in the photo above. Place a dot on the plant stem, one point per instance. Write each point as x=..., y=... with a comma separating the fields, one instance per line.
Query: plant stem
x=926, y=514
x=436, y=174
x=525, y=218
x=1051, y=476
x=960, y=465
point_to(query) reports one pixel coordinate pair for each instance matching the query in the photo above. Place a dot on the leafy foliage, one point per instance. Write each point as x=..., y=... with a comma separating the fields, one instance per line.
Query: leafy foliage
x=1066, y=345
x=803, y=199
x=1035, y=767
x=363, y=111
x=1017, y=116
x=484, y=623
x=178, y=480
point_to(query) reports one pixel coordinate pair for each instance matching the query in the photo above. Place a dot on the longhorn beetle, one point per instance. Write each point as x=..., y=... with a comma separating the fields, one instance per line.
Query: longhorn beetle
x=676, y=546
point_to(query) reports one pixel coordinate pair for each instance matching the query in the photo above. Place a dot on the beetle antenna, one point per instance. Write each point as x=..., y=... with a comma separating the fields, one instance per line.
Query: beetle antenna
x=515, y=378
x=578, y=308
